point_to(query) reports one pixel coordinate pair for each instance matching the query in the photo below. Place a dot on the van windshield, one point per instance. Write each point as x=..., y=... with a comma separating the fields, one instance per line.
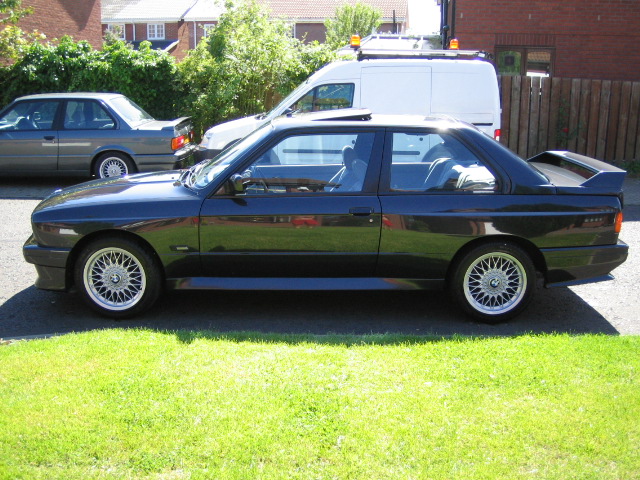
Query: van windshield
x=287, y=102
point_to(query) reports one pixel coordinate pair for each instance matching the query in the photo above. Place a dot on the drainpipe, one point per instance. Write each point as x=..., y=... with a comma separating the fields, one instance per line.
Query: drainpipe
x=452, y=32
x=444, y=22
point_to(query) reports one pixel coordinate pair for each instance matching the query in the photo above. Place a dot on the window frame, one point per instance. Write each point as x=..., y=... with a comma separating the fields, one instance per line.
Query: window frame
x=370, y=183
x=30, y=107
x=314, y=92
x=206, y=27
x=385, y=189
x=524, y=52
x=155, y=27
x=63, y=114
x=117, y=27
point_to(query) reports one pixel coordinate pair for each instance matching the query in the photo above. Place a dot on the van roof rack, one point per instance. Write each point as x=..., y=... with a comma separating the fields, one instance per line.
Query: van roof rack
x=364, y=54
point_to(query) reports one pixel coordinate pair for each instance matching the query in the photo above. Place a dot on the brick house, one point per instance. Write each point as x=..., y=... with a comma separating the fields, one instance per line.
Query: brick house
x=171, y=25
x=594, y=39
x=308, y=16
x=79, y=19
x=178, y=25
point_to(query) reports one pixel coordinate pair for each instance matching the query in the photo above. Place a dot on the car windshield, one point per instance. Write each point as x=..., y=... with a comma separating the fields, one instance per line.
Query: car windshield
x=130, y=112
x=207, y=174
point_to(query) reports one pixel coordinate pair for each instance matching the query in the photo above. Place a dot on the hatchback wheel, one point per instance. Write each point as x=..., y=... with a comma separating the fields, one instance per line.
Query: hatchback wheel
x=117, y=278
x=494, y=282
x=113, y=165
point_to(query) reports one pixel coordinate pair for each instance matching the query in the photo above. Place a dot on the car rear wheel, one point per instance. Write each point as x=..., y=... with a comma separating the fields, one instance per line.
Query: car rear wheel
x=113, y=165
x=494, y=282
x=118, y=278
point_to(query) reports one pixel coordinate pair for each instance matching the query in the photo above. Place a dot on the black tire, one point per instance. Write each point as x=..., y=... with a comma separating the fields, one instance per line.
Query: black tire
x=109, y=165
x=493, y=282
x=117, y=278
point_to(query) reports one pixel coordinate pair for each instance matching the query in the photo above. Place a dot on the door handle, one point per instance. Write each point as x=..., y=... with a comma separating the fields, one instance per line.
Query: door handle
x=49, y=137
x=361, y=211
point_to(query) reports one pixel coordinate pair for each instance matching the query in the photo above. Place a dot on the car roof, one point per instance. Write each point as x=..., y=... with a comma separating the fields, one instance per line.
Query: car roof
x=363, y=117
x=64, y=95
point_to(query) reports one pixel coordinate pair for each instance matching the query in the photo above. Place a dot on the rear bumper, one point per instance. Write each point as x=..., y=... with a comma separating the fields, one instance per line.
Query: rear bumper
x=579, y=265
x=50, y=265
x=172, y=161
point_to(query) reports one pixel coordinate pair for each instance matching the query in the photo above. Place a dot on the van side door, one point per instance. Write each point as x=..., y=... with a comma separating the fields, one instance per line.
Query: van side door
x=401, y=89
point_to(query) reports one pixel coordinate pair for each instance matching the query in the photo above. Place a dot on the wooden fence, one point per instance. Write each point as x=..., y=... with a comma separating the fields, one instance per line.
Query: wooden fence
x=597, y=118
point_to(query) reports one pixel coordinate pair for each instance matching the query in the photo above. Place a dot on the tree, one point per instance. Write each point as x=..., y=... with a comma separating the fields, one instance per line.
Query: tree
x=12, y=38
x=146, y=76
x=248, y=60
x=358, y=19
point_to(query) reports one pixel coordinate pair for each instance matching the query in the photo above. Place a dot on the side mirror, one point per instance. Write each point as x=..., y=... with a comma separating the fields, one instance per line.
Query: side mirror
x=237, y=183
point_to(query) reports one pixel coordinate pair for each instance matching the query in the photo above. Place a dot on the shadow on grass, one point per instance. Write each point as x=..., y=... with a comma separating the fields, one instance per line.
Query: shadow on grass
x=323, y=317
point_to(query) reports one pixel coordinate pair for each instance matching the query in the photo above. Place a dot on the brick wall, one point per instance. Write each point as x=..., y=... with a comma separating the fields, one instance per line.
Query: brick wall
x=595, y=39
x=56, y=18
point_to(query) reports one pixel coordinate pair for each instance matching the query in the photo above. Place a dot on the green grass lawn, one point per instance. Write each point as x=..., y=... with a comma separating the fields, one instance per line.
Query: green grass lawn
x=178, y=405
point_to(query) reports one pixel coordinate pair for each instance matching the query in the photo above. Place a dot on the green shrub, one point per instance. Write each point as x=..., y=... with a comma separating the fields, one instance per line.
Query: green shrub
x=248, y=62
x=146, y=76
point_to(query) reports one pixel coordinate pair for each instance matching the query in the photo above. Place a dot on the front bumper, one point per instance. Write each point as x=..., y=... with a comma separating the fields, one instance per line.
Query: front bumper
x=579, y=265
x=50, y=264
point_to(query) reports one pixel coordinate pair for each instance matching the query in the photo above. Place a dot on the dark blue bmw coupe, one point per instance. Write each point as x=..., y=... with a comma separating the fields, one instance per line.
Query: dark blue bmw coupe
x=339, y=200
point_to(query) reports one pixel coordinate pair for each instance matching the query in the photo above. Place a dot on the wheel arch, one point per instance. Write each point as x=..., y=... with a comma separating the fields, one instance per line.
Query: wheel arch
x=102, y=234
x=529, y=247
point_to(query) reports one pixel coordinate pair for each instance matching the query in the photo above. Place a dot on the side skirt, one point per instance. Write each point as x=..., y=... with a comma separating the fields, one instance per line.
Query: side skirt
x=280, y=283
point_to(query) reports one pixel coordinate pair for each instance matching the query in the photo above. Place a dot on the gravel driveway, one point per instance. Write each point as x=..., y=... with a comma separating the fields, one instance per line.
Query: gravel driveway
x=608, y=307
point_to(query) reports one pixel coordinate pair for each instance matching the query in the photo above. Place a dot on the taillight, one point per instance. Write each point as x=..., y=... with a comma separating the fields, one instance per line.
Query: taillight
x=496, y=134
x=618, y=224
x=178, y=142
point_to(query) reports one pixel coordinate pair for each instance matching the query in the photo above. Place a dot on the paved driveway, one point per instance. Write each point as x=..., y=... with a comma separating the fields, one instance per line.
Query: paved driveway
x=609, y=307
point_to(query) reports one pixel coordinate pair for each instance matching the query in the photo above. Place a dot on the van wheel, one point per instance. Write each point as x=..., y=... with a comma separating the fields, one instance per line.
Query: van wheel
x=110, y=165
x=493, y=282
x=118, y=278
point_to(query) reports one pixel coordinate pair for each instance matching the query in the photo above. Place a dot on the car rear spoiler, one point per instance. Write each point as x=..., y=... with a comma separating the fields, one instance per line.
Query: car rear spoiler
x=178, y=121
x=572, y=173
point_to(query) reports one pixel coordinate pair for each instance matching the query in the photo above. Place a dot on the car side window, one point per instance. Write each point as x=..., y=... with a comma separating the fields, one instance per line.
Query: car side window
x=86, y=115
x=436, y=162
x=308, y=164
x=326, y=97
x=38, y=115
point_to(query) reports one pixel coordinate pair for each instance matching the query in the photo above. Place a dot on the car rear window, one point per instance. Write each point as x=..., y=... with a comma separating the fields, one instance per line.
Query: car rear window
x=130, y=112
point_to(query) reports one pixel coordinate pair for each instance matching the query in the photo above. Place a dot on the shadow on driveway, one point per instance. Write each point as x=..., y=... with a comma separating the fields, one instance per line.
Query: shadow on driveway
x=35, y=312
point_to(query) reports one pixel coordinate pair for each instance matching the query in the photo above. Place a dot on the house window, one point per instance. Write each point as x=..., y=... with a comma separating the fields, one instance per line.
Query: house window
x=207, y=27
x=530, y=61
x=155, y=31
x=117, y=30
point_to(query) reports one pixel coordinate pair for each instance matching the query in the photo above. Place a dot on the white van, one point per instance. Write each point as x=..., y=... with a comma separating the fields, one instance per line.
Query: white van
x=457, y=83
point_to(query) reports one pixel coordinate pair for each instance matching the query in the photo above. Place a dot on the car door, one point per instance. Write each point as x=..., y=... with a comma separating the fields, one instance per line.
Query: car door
x=86, y=126
x=436, y=195
x=305, y=206
x=28, y=138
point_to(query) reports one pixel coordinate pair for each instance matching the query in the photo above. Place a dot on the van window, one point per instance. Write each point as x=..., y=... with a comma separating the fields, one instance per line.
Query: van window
x=436, y=162
x=326, y=97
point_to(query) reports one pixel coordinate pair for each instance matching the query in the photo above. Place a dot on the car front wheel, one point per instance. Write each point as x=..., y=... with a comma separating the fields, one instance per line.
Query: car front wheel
x=118, y=278
x=494, y=282
x=113, y=165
